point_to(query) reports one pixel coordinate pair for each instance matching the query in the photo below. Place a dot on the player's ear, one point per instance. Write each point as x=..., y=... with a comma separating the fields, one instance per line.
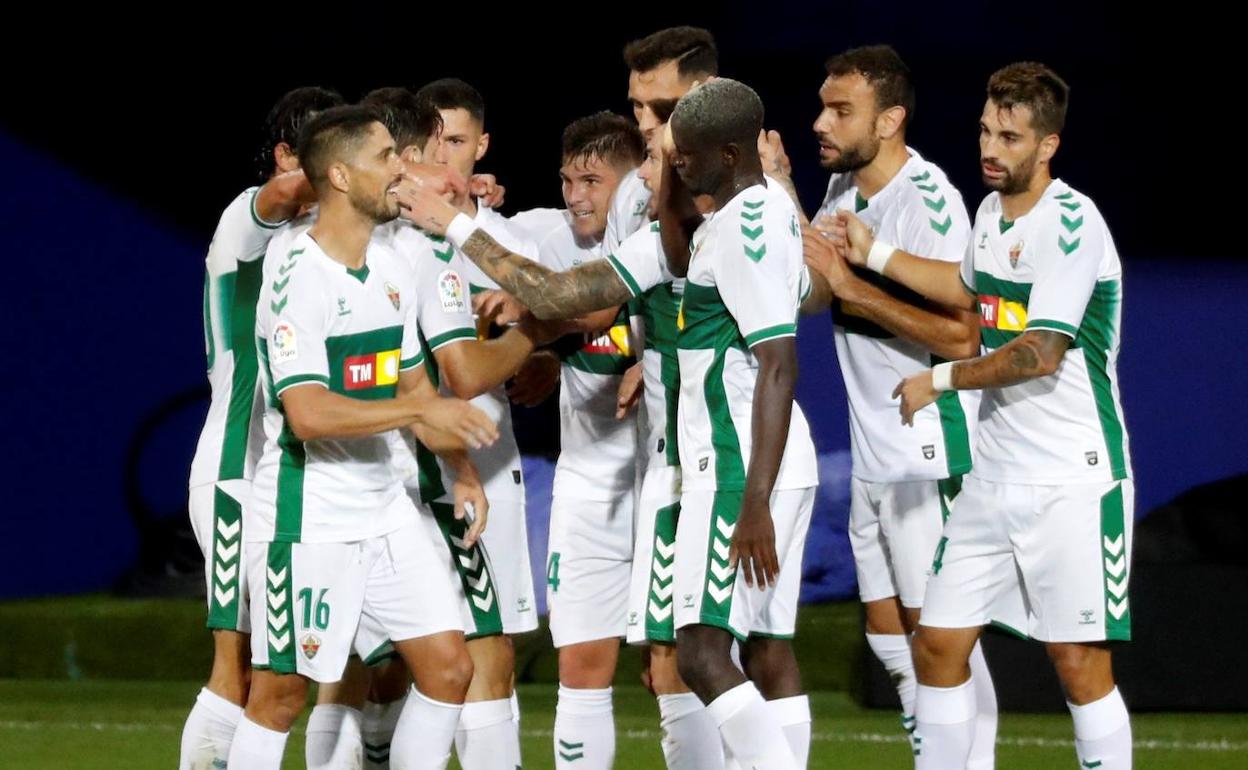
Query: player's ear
x=284, y=157
x=730, y=155
x=338, y=177
x=890, y=121
x=483, y=146
x=1048, y=147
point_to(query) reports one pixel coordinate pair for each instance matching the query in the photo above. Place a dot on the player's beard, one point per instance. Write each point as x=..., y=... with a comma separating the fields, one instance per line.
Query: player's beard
x=855, y=157
x=380, y=208
x=1015, y=180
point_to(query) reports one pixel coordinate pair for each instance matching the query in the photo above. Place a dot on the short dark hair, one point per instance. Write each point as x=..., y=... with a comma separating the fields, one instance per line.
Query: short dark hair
x=454, y=94
x=883, y=68
x=720, y=112
x=604, y=135
x=331, y=136
x=408, y=119
x=1035, y=86
x=692, y=48
x=287, y=118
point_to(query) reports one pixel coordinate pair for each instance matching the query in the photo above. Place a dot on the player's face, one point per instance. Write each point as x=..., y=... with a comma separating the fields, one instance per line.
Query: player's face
x=846, y=125
x=588, y=184
x=702, y=169
x=460, y=144
x=375, y=172
x=650, y=171
x=1008, y=148
x=654, y=94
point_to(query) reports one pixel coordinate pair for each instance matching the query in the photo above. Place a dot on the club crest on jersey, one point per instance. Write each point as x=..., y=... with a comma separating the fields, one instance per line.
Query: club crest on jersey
x=392, y=292
x=451, y=292
x=285, y=344
x=929, y=451
x=1016, y=251
x=310, y=645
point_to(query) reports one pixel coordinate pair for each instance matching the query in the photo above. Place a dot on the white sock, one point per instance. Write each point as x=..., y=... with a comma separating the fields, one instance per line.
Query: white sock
x=333, y=739
x=208, y=731
x=793, y=715
x=584, y=730
x=256, y=747
x=424, y=734
x=983, y=747
x=487, y=738
x=1103, y=733
x=690, y=738
x=945, y=726
x=750, y=730
x=378, y=730
x=893, y=650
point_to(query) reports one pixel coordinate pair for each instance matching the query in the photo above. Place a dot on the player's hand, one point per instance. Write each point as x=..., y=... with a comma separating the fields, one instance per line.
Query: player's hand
x=444, y=180
x=771, y=152
x=824, y=258
x=470, y=501
x=424, y=206
x=629, y=392
x=487, y=188
x=461, y=420
x=498, y=307
x=915, y=393
x=536, y=380
x=852, y=237
x=753, y=547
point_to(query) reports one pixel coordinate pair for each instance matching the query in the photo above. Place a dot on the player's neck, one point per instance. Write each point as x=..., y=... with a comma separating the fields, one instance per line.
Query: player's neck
x=876, y=175
x=742, y=180
x=1018, y=204
x=468, y=205
x=343, y=233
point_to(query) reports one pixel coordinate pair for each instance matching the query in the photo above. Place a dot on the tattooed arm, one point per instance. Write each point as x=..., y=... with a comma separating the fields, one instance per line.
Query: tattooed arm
x=548, y=294
x=1033, y=354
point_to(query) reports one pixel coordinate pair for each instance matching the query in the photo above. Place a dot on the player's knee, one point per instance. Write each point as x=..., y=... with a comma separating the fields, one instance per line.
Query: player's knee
x=696, y=664
x=455, y=672
x=1084, y=670
x=934, y=652
x=278, y=701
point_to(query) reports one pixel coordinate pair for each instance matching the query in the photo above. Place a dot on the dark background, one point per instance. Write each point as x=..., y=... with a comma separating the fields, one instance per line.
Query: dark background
x=122, y=139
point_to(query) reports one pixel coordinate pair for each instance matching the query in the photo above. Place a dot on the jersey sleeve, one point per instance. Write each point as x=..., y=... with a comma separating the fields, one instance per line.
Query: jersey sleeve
x=639, y=261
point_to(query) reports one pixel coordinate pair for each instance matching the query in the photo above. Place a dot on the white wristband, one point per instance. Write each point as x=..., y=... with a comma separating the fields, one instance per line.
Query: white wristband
x=879, y=255
x=942, y=376
x=460, y=229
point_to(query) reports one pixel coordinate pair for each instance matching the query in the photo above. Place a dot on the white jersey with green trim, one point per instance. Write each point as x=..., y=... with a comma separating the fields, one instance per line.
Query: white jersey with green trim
x=228, y=447
x=744, y=285
x=445, y=308
x=1055, y=268
x=319, y=324
x=598, y=453
x=642, y=265
x=629, y=211
x=919, y=212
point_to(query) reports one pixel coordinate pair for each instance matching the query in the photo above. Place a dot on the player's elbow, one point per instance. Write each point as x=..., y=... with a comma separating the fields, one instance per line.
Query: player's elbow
x=305, y=426
x=463, y=385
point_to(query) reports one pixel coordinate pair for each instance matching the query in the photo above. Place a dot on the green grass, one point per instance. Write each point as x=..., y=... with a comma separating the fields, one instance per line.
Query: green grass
x=136, y=724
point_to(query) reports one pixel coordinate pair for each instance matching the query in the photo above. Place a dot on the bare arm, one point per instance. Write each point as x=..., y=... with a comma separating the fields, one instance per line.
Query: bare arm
x=472, y=367
x=935, y=279
x=754, y=541
x=548, y=294
x=280, y=198
x=1030, y=355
